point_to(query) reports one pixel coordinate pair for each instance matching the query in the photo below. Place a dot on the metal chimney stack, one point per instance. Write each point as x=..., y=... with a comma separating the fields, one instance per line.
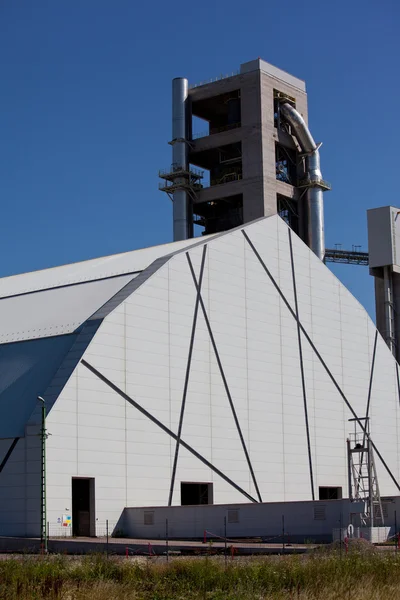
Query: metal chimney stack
x=180, y=157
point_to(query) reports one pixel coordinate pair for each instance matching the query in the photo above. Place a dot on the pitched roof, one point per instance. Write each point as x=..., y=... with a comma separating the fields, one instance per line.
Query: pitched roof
x=58, y=301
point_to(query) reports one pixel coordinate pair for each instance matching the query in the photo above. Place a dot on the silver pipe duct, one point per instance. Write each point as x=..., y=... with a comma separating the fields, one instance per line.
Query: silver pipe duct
x=389, y=312
x=315, y=203
x=180, y=156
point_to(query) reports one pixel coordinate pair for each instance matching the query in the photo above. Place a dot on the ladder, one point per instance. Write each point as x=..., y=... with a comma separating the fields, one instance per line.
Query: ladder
x=363, y=479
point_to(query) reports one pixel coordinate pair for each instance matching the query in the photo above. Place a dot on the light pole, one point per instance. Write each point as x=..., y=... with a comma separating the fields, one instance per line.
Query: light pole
x=43, y=512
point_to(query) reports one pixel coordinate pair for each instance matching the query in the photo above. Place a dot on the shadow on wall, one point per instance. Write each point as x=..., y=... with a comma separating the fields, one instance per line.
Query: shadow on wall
x=26, y=370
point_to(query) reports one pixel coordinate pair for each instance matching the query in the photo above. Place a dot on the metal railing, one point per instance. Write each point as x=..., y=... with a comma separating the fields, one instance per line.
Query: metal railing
x=349, y=257
x=321, y=183
x=214, y=130
x=175, y=168
x=101, y=529
x=226, y=179
x=206, y=81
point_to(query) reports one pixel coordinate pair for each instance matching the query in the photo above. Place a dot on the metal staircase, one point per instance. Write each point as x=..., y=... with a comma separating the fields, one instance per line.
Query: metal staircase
x=363, y=479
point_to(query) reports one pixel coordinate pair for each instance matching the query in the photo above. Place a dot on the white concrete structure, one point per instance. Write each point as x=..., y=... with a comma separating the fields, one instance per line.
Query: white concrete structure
x=131, y=360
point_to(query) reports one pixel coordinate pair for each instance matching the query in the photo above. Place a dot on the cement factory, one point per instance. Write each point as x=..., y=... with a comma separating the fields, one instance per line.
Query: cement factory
x=228, y=374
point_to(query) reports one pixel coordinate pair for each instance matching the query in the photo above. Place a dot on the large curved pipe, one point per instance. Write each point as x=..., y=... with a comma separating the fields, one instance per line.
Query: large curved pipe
x=315, y=203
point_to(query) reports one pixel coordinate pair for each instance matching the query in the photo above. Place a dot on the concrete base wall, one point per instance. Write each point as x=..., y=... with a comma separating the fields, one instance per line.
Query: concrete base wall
x=295, y=521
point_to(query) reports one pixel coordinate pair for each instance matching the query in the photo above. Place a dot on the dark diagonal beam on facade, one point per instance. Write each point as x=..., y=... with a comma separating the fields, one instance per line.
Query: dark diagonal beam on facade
x=323, y=363
x=186, y=383
x=224, y=380
x=303, y=379
x=371, y=377
x=161, y=425
x=8, y=453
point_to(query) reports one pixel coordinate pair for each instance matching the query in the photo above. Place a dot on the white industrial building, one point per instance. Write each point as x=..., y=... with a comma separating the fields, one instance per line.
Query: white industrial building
x=196, y=340
x=229, y=368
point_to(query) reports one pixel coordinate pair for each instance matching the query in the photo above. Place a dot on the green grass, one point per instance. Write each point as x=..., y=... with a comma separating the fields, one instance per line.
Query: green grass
x=330, y=576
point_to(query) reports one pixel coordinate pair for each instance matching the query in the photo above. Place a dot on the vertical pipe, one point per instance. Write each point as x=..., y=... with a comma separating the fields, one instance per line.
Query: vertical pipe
x=43, y=511
x=370, y=491
x=314, y=237
x=349, y=470
x=315, y=221
x=167, y=538
x=107, y=537
x=181, y=213
x=389, y=316
x=225, y=539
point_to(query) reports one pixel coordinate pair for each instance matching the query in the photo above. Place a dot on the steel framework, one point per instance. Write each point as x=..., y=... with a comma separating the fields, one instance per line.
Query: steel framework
x=363, y=480
x=348, y=257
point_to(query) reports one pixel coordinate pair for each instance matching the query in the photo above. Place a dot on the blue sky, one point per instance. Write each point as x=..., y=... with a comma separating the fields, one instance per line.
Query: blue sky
x=85, y=113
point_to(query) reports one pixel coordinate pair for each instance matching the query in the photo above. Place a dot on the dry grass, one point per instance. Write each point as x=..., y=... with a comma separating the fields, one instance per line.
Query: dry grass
x=358, y=576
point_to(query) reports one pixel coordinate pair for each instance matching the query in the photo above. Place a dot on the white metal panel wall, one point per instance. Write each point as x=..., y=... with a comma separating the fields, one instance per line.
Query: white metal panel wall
x=142, y=347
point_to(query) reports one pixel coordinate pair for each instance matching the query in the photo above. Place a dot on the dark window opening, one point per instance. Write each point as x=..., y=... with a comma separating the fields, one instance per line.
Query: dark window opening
x=200, y=128
x=288, y=211
x=330, y=493
x=219, y=215
x=83, y=518
x=285, y=165
x=196, y=493
x=222, y=164
x=222, y=112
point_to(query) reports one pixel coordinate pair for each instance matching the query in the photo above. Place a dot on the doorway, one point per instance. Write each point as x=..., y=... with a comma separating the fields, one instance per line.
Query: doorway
x=83, y=517
x=196, y=493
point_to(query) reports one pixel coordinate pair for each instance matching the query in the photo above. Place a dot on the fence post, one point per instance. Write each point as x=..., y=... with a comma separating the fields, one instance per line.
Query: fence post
x=166, y=538
x=225, y=538
x=283, y=534
x=395, y=532
x=346, y=544
x=126, y=551
x=107, y=537
x=205, y=537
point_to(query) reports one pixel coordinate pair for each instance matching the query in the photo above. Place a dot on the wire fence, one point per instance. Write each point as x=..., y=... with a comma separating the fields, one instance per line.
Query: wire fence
x=107, y=537
x=99, y=530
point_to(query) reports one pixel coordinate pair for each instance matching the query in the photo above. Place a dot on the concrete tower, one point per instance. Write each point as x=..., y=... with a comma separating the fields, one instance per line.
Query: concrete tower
x=256, y=148
x=384, y=265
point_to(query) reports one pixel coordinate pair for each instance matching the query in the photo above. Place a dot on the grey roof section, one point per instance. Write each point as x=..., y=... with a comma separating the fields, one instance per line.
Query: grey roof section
x=26, y=369
x=54, y=311
x=88, y=270
x=132, y=286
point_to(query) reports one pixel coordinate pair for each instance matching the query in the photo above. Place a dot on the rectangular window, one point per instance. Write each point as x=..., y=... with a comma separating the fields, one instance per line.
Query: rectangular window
x=330, y=493
x=196, y=493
